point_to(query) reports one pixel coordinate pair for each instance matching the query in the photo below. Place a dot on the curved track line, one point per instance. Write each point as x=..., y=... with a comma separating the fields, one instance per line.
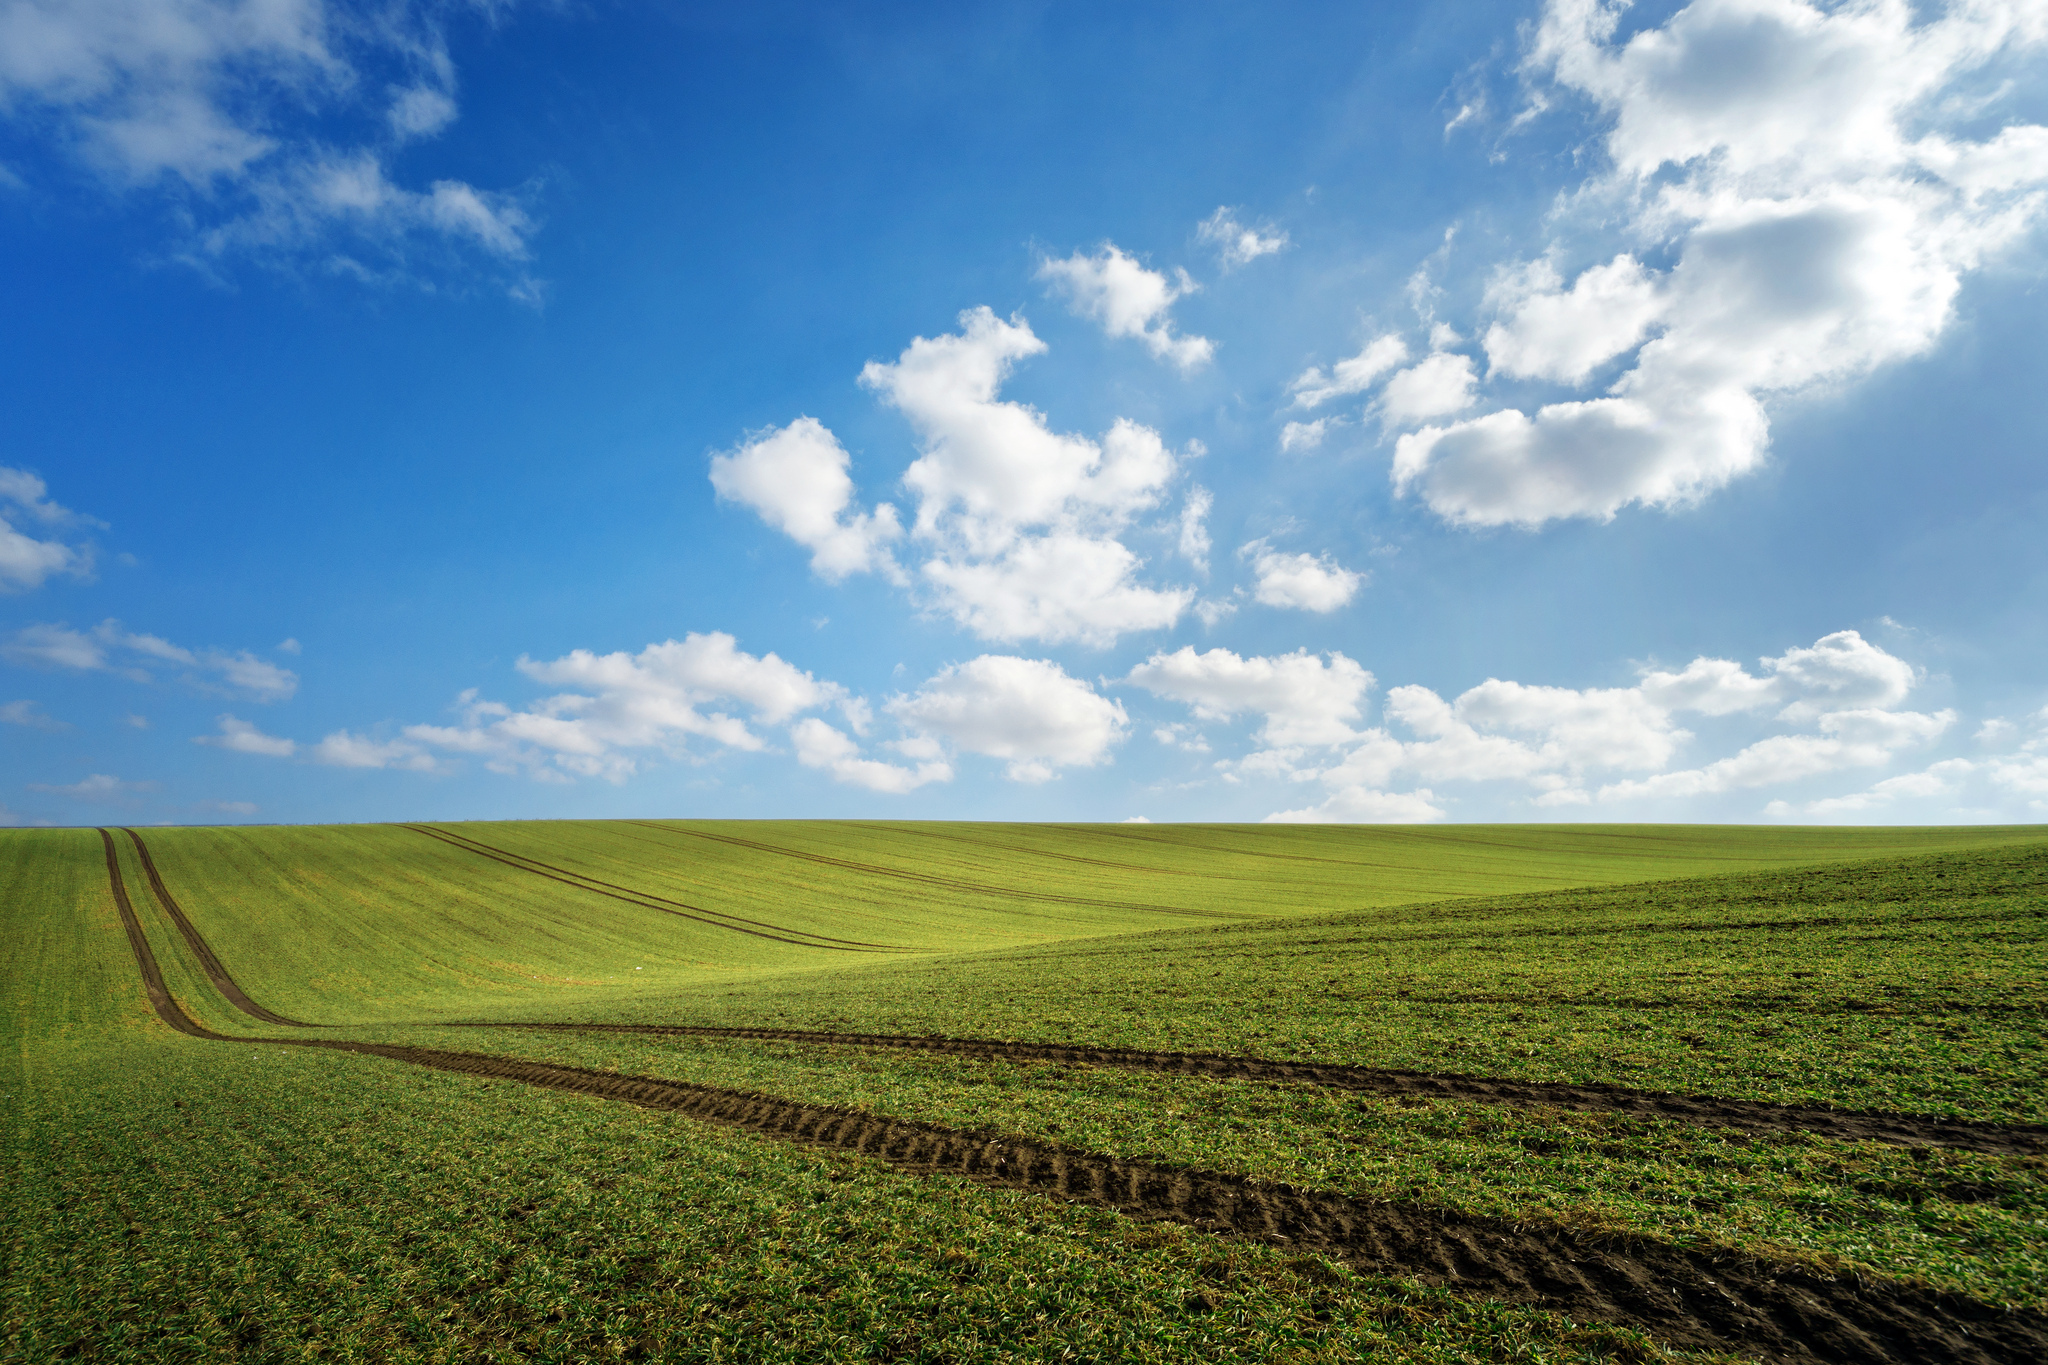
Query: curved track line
x=645, y=902
x=933, y=879
x=1754, y=1116
x=216, y=971
x=595, y=883
x=1692, y=1298
x=1899, y=1129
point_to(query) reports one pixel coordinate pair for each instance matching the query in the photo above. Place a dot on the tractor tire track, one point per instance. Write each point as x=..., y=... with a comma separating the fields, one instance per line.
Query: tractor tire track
x=716, y=919
x=933, y=879
x=1692, y=1298
x=1708, y=1111
x=152, y=977
x=216, y=971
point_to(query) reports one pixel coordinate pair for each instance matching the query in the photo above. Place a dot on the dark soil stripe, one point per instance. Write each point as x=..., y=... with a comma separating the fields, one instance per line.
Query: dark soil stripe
x=1694, y=1299
x=701, y=916
x=594, y=882
x=216, y=971
x=1011, y=893
x=1909, y=1130
x=152, y=978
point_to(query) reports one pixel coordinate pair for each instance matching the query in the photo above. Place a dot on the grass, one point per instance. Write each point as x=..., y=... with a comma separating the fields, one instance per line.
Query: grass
x=379, y=922
x=171, y=1199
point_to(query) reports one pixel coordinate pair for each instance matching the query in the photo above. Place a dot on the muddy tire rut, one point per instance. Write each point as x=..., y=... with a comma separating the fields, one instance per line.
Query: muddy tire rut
x=1910, y=1130
x=1690, y=1298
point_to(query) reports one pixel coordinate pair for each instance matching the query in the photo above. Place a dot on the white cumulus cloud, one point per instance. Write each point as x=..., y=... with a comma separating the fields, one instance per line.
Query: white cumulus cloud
x=616, y=707
x=1114, y=289
x=1306, y=699
x=242, y=737
x=1435, y=386
x=1814, y=177
x=1296, y=436
x=1839, y=696
x=1020, y=530
x=1314, y=386
x=819, y=745
x=1237, y=244
x=26, y=562
x=1029, y=712
x=796, y=479
x=1304, y=582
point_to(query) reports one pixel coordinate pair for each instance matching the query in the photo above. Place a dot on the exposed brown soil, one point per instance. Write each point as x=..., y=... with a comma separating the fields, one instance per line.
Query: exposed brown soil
x=216, y=971
x=718, y=919
x=152, y=977
x=1909, y=1130
x=1690, y=1298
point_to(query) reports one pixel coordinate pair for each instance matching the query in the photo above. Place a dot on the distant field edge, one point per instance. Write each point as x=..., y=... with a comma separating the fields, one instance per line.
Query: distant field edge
x=1693, y=1298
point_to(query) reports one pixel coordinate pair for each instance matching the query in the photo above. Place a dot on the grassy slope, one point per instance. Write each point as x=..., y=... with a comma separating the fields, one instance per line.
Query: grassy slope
x=1917, y=983
x=377, y=922
x=172, y=1199
x=177, y=1197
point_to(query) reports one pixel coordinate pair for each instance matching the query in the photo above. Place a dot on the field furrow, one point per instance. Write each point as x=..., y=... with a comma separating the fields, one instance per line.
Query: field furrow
x=717, y=920
x=1693, y=1298
x=216, y=971
x=1906, y=1130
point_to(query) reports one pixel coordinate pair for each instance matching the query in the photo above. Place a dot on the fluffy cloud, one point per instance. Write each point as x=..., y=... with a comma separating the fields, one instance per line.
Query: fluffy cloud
x=242, y=737
x=1842, y=691
x=233, y=107
x=344, y=749
x=1029, y=712
x=1544, y=331
x=1436, y=386
x=1237, y=244
x=1302, y=581
x=819, y=745
x=676, y=699
x=1838, y=672
x=1306, y=435
x=1022, y=523
x=1129, y=301
x=1862, y=740
x=795, y=478
x=2025, y=773
x=1362, y=805
x=1305, y=699
x=26, y=562
x=1943, y=779
x=109, y=648
x=616, y=705
x=1020, y=528
x=1814, y=179
x=1313, y=387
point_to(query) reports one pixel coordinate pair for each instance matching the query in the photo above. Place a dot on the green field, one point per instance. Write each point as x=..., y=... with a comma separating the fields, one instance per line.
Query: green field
x=174, y=1198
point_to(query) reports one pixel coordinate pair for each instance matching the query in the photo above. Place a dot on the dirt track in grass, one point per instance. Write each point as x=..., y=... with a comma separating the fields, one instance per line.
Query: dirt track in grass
x=1691, y=1298
x=1013, y=893
x=216, y=970
x=648, y=901
x=1749, y=1116
x=1908, y=1130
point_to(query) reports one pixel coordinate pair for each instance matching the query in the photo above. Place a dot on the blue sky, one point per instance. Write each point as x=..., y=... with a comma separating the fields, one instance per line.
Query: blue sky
x=1193, y=412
